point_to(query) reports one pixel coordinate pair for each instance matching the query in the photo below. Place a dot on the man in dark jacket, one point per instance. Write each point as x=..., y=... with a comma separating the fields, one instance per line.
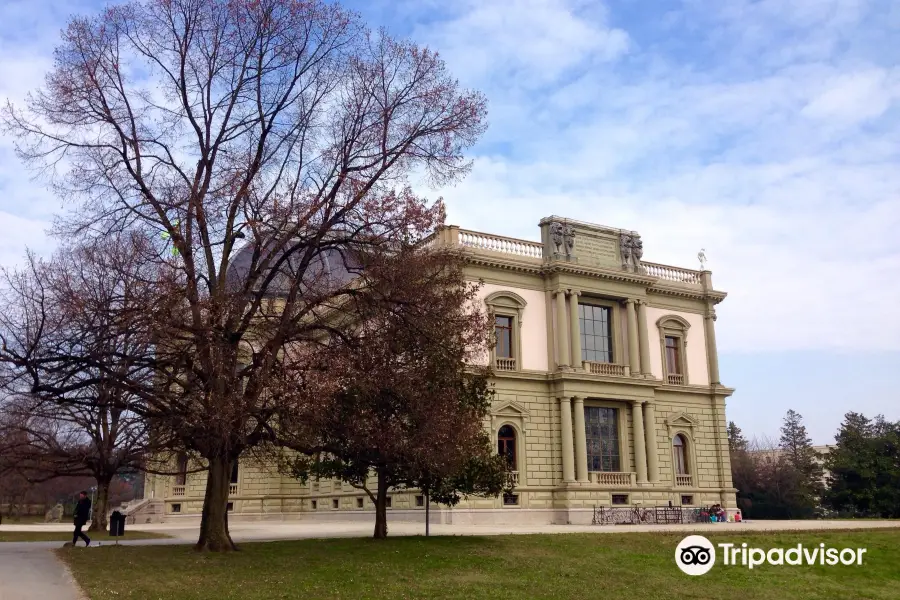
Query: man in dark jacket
x=82, y=514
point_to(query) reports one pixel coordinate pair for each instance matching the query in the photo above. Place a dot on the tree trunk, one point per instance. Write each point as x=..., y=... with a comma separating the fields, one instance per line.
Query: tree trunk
x=214, y=535
x=99, y=516
x=381, y=507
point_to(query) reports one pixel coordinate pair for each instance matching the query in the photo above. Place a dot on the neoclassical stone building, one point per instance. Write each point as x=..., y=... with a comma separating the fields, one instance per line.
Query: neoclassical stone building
x=607, y=391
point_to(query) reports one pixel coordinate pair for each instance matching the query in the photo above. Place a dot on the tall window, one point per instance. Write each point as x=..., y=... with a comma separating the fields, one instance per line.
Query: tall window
x=673, y=356
x=503, y=329
x=181, y=469
x=234, y=472
x=596, y=338
x=679, y=445
x=602, y=434
x=506, y=445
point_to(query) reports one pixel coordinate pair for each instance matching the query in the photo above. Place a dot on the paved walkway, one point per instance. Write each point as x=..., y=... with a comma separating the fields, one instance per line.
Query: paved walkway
x=29, y=570
x=32, y=572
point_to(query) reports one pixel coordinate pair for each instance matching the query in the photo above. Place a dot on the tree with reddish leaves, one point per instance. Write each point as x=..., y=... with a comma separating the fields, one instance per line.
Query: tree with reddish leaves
x=410, y=402
x=261, y=145
x=71, y=329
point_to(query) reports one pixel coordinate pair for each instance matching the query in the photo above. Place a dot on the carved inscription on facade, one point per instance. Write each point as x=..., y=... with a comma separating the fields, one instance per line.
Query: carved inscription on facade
x=593, y=250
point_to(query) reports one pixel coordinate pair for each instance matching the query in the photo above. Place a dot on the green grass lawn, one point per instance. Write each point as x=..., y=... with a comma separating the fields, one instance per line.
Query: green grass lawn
x=66, y=536
x=578, y=566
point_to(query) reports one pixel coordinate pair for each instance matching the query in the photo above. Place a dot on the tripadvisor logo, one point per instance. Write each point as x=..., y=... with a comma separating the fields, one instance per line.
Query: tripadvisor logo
x=696, y=555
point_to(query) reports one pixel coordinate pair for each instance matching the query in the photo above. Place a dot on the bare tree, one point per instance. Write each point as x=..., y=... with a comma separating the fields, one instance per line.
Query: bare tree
x=69, y=329
x=268, y=141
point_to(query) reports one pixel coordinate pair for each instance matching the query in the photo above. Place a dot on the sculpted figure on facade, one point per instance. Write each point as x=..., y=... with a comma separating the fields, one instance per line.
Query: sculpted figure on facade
x=632, y=249
x=569, y=238
x=556, y=235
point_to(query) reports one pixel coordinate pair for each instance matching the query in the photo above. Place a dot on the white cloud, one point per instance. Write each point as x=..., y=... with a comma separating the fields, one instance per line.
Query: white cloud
x=776, y=151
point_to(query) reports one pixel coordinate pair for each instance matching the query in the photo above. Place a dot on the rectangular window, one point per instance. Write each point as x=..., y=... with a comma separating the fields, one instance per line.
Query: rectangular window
x=389, y=502
x=420, y=501
x=176, y=508
x=359, y=503
x=182, y=467
x=596, y=333
x=503, y=330
x=620, y=498
x=687, y=500
x=229, y=507
x=602, y=435
x=673, y=356
x=315, y=505
x=510, y=499
x=234, y=472
x=335, y=503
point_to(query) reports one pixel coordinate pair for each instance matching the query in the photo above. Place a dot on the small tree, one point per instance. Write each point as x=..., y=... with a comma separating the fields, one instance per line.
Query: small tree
x=797, y=450
x=411, y=404
x=70, y=328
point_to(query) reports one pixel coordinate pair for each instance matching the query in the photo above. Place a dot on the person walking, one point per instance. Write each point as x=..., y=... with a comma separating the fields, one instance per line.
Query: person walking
x=82, y=514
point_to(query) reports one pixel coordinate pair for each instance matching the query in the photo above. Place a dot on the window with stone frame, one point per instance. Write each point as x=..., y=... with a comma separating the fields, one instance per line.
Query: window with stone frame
x=507, y=309
x=673, y=333
x=601, y=426
x=595, y=329
x=503, y=332
x=234, y=472
x=679, y=449
x=506, y=445
x=181, y=469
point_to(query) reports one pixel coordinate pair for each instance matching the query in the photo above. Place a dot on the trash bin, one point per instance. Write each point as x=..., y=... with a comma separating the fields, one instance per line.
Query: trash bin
x=116, y=524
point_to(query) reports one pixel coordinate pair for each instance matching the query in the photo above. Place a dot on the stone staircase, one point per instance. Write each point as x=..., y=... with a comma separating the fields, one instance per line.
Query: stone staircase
x=146, y=510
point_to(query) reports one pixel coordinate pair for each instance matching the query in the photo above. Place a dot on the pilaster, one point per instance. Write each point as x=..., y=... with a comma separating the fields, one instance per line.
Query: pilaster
x=634, y=360
x=712, y=354
x=640, y=442
x=650, y=437
x=581, y=466
x=568, y=452
x=562, y=320
x=644, y=336
x=574, y=329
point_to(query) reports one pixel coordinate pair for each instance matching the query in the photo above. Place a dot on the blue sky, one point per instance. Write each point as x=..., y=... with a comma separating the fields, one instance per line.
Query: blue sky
x=765, y=131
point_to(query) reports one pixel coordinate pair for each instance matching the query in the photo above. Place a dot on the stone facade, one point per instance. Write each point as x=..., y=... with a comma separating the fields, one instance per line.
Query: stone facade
x=548, y=388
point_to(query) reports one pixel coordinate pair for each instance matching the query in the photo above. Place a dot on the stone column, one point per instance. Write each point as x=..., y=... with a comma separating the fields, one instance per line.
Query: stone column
x=633, y=355
x=644, y=339
x=562, y=342
x=568, y=453
x=581, y=466
x=637, y=434
x=652, y=447
x=712, y=355
x=574, y=329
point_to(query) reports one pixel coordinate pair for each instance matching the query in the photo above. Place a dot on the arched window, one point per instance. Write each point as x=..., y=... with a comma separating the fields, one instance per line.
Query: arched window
x=679, y=445
x=506, y=445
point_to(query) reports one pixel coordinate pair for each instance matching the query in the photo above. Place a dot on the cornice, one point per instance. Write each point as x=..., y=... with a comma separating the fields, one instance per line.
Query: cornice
x=546, y=268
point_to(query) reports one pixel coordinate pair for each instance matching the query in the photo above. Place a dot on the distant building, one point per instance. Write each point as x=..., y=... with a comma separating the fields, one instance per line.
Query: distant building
x=607, y=381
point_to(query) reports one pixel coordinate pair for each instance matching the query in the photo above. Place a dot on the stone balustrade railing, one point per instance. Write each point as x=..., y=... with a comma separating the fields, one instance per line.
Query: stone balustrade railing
x=675, y=379
x=513, y=478
x=498, y=243
x=232, y=489
x=684, y=480
x=610, y=478
x=601, y=368
x=667, y=273
x=505, y=364
x=178, y=490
